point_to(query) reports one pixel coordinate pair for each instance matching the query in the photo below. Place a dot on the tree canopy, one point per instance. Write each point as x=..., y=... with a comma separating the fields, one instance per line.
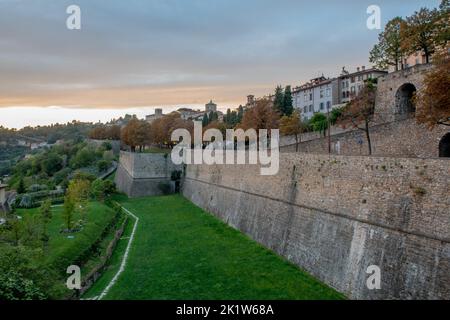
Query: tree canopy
x=433, y=100
x=388, y=51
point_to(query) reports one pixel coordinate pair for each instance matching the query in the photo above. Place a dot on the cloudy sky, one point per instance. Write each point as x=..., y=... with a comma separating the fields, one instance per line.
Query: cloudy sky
x=136, y=53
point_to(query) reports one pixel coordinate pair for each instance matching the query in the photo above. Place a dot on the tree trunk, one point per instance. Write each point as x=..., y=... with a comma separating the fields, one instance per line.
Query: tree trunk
x=296, y=143
x=369, y=143
x=427, y=55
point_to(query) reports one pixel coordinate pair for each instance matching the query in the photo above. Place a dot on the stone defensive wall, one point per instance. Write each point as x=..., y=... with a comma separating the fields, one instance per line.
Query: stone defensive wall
x=335, y=216
x=140, y=174
x=400, y=138
x=394, y=131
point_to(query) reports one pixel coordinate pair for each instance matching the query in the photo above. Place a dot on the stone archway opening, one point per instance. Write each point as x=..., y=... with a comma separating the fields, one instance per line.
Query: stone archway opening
x=444, y=146
x=404, y=99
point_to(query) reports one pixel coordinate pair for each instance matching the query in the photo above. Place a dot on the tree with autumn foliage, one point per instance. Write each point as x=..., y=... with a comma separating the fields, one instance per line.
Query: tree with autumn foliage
x=221, y=126
x=421, y=32
x=359, y=113
x=104, y=132
x=293, y=125
x=79, y=191
x=162, y=128
x=261, y=116
x=137, y=133
x=433, y=100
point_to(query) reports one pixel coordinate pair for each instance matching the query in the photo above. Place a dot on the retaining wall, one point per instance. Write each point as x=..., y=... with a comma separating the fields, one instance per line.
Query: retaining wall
x=140, y=174
x=335, y=215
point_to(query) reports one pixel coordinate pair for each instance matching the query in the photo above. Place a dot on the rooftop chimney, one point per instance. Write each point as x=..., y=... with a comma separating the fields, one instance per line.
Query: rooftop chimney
x=357, y=69
x=363, y=68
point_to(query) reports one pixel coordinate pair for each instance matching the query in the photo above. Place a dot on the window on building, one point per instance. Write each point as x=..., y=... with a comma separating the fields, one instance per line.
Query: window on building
x=305, y=97
x=321, y=106
x=328, y=92
x=305, y=109
x=310, y=97
x=343, y=95
x=359, y=78
x=321, y=94
x=310, y=108
x=352, y=89
x=328, y=105
x=353, y=79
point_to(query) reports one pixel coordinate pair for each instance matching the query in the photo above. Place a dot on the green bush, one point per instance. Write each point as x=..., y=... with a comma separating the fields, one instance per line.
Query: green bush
x=165, y=187
x=103, y=165
x=83, y=158
x=21, y=277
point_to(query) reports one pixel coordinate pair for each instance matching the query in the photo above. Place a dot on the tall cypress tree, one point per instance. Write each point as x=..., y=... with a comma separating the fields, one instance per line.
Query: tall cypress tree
x=205, y=120
x=279, y=99
x=21, y=188
x=240, y=114
x=227, y=118
x=287, y=103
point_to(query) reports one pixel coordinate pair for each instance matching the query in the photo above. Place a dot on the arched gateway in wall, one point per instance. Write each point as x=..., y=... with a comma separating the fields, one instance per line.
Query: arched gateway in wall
x=404, y=99
x=395, y=92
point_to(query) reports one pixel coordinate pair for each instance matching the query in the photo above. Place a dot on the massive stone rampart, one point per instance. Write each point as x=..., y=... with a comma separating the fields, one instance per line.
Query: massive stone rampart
x=402, y=138
x=336, y=215
x=140, y=174
x=394, y=131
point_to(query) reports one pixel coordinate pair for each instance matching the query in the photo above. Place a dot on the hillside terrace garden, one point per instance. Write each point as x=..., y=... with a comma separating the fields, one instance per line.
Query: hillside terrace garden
x=46, y=175
x=37, y=245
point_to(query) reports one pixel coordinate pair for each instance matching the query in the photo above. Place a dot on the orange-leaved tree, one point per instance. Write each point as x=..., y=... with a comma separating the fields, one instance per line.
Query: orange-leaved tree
x=261, y=116
x=293, y=125
x=433, y=100
x=136, y=133
x=359, y=113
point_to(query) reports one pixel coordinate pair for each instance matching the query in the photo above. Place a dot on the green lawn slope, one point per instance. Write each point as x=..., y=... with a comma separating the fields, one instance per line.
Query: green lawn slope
x=181, y=252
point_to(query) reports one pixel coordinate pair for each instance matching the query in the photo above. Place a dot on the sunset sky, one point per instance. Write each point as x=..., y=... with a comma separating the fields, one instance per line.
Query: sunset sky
x=136, y=53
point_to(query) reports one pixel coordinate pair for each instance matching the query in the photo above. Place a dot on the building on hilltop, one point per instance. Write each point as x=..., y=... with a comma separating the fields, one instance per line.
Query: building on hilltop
x=210, y=106
x=157, y=115
x=318, y=95
x=190, y=114
x=250, y=100
x=350, y=84
x=323, y=94
x=410, y=61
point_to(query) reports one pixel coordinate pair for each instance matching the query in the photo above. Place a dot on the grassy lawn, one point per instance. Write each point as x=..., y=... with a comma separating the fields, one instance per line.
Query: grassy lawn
x=181, y=252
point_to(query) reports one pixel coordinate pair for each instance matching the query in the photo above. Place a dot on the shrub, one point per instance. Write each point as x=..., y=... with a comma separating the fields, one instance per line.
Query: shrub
x=102, y=165
x=175, y=175
x=83, y=158
x=106, y=146
x=165, y=187
x=80, y=175
x=51, y=164
x=19, y=280
x=101, y=189
x=25, y=201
